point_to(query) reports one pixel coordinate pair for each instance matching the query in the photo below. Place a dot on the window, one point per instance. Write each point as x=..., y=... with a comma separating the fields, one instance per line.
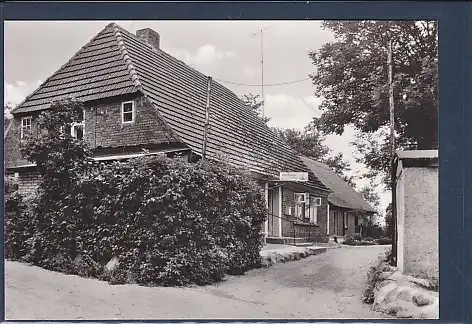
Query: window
x=127, y=112
x=77, y=129
x=306, y=207
x=300, y=205
x=25, y=126
x=314, y=203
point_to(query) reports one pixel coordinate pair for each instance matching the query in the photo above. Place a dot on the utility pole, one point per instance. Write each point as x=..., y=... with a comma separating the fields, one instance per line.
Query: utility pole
x=207, y=118
x=392, y=147
x=262, y=72
x=390, y=95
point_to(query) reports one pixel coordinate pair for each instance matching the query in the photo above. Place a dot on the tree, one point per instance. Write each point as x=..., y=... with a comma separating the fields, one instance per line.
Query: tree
x=340, y=166
x=254, y=102
x=369, y=194
x=309, y=143
x=389, y=224
x=352, y=78
x=6, y=116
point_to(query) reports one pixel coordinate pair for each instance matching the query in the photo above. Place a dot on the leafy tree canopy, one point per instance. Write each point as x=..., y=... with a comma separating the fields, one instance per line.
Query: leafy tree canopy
x=352, y=78
x=255, y=103
x=369, y=194
x=309, y=143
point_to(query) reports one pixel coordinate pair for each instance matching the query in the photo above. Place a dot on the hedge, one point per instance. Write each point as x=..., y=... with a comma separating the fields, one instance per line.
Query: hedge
x=169, y=223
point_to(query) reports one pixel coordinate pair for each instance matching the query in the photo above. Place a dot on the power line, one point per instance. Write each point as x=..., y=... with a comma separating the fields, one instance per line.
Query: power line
x=265, y=85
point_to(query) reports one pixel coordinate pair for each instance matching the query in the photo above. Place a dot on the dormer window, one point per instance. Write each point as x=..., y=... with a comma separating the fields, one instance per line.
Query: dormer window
x=127, y=112
x=25, y=126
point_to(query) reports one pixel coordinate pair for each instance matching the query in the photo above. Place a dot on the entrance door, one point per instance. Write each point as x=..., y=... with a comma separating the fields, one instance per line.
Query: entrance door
x=273, y=207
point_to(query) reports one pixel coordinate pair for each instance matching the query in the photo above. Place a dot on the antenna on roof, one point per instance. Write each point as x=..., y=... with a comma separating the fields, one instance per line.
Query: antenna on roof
x=262, y=68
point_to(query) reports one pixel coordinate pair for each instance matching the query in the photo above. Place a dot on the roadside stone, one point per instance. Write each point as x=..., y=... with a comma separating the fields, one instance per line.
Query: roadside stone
x=383, y=283
x=423, y=299
x=406, y=294
x=270, y=257
x=396, y=275
x=398, y=307
x=385, y=275
x=382, y=292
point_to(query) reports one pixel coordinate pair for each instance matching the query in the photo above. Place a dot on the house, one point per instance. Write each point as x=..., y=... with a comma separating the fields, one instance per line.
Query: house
x=346, y=207
x=137, y=97
x=417, y=209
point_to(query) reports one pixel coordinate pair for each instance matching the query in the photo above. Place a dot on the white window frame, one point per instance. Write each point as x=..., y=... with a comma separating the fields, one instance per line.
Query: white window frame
x=133, y=112
x=314, y=204
x=74, y=125
x=22, y=133
x=301, y=208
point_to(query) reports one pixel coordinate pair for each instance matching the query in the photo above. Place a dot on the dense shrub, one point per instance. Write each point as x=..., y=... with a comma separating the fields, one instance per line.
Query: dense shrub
x=168, y=222
x=356, y=239
x=384, y=240
x=17, y=225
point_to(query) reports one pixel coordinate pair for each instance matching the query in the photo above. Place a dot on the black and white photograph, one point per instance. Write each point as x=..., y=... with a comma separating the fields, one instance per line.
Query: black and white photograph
x=230, y=169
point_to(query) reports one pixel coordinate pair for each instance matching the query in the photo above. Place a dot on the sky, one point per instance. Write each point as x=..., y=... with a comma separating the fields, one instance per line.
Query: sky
x=228, y=51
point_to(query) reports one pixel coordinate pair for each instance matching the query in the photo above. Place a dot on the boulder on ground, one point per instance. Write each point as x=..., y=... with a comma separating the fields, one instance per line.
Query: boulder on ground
x=422, y=298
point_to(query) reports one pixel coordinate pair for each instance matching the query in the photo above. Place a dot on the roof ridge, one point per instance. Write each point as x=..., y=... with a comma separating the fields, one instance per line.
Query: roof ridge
x=59, y=69
x=125, y=56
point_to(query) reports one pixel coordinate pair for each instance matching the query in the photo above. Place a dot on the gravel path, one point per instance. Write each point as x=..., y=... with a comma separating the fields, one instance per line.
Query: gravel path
x=328, y=285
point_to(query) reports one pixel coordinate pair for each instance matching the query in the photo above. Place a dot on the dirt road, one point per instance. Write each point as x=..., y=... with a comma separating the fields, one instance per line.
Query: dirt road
x=328, y=285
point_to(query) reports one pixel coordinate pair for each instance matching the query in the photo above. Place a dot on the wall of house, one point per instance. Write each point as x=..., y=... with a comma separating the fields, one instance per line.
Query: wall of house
x=27, y=180
x=336, y=224
x=313, y=232
x=12, y=155
x=104, y=127
x=417, y=211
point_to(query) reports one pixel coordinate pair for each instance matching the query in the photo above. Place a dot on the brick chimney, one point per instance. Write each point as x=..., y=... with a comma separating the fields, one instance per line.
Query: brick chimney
x=149, y=36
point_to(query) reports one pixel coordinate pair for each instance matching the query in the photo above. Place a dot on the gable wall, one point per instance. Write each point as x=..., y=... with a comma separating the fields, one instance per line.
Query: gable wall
x=103, y=128
x=12, y=154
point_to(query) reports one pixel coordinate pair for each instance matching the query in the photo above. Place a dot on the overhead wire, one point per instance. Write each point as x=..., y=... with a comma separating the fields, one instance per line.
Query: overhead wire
x=265, y=85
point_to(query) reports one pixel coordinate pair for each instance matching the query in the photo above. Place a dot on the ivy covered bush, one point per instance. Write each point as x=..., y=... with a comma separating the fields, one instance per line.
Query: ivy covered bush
x=166, y=222
x=17, y=225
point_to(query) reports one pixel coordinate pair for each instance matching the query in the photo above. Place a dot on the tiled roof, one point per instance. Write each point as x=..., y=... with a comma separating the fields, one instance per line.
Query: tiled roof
x=96, y=71
x=179, y=92
x=342, y=195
